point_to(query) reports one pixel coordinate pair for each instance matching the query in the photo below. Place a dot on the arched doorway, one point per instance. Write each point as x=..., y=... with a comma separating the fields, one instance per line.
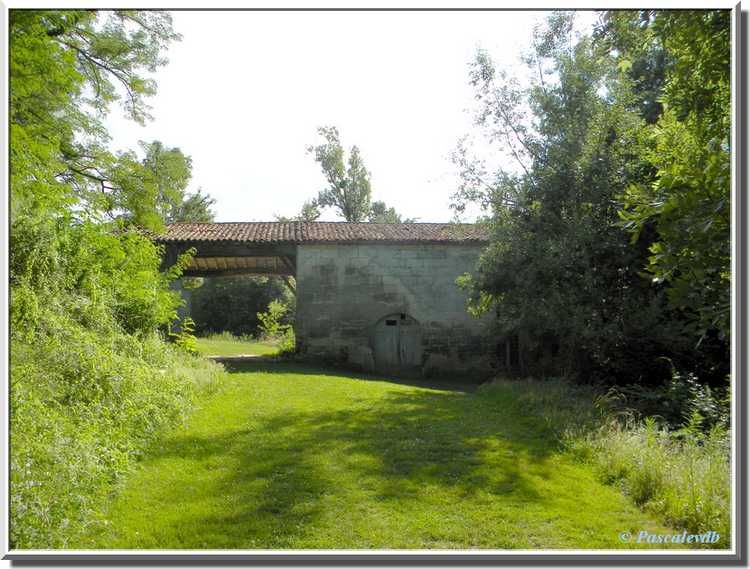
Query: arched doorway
x=397, y=344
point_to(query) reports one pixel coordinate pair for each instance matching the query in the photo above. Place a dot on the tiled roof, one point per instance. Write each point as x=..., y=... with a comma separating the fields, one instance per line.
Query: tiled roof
x=323, y=232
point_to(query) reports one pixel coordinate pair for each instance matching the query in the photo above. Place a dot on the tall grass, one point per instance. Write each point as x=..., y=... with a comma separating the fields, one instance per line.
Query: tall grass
x=681, y=475
x=226, y=336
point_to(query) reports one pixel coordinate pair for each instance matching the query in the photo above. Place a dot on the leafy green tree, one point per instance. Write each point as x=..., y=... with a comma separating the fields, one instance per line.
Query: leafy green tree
x=194, y=208
x=145, y=192
x=643, y=61
x=309, y=212
x=381, y=213
x=687, y=200
x=561, y=273
x=66, y=68
x=153, y=190
x=348, y=188
x=88, y=303
x=272, y=326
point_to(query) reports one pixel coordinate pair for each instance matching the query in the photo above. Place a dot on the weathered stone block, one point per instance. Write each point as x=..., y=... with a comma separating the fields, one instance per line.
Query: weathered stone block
x=320, y=327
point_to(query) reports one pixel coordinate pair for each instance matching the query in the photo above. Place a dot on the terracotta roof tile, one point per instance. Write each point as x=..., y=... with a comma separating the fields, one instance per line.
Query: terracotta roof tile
x=323, y=232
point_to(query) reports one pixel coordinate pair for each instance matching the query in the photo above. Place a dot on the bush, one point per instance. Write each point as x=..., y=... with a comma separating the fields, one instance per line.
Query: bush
x=273, y=328
x=84, y=405
x=677, y=400
x=92, y=379
x=185, y=339
x=287, y=342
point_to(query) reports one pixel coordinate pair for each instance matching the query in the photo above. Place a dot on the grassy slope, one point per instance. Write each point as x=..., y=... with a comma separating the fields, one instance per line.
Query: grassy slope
x=292, y=457
x=234, y=347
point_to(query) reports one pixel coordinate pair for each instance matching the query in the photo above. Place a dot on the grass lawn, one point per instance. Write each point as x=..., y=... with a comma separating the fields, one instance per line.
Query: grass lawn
x=287, y=456
x=225, y=346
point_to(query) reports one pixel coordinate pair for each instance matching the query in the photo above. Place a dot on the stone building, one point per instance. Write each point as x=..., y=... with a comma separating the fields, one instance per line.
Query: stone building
x=377, y=297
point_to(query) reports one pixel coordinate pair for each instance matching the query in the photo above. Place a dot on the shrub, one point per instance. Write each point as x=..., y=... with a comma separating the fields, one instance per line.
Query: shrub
x=184, y=338
x=677, y=400
x=92, y=381
x=84, y=405
x=273, y=327
x=287, y=342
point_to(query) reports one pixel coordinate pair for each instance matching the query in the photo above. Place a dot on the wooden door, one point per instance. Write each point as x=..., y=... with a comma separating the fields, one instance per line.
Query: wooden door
x=397, y=344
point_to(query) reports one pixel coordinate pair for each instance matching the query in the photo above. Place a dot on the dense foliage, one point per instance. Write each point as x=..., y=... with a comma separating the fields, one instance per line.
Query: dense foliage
x=274, y=326
x=687, y=201
x=92, y=380
x=610, y=250
x=231, y=304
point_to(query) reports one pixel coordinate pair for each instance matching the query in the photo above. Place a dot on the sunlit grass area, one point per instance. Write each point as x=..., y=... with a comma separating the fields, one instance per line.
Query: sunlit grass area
x=228, y=345
x=288, y=456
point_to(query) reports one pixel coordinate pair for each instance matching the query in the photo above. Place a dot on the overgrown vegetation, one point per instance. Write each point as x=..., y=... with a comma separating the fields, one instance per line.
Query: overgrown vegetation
x=610, y=254
x=232, y=303
x=609, y=261
x=92, y=379
x=681, y=475
x=85, y=403
x=610, y=218
x=274, y=328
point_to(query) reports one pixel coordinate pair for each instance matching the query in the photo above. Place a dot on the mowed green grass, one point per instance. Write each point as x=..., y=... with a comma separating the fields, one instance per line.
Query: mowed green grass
x=222, y=346
x=286, y=456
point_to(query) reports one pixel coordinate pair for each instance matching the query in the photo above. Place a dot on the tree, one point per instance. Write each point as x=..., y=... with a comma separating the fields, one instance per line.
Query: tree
x=560, y=272
x=66, y=68
x=618, y=170
x=87, y=298
x=381, y=213
x=309, y=212
x=145, y=192
x=348, y=188
x=195, y=208
x=687, y=198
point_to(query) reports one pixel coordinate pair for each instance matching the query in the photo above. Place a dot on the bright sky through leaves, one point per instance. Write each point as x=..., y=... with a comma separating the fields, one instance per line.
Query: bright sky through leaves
x=244, y=93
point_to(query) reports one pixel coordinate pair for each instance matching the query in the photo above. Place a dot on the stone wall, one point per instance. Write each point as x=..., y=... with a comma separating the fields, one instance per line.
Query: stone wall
x=344, y=291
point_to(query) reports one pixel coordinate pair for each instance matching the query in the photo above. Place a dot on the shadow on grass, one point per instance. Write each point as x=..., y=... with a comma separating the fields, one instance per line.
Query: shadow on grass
x=277, y=365
x=280, y=473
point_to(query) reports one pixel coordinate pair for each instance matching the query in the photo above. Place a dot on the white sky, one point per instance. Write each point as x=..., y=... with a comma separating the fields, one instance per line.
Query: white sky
x=244, y=92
